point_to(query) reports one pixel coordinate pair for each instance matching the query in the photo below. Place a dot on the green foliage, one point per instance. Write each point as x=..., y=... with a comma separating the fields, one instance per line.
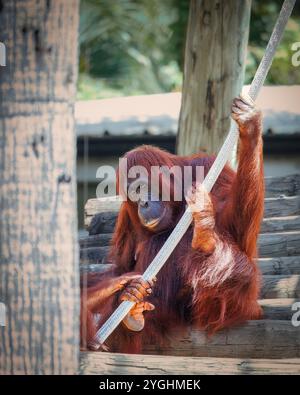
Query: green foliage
x=263, y=17
x=126, y=47
x=130, y=47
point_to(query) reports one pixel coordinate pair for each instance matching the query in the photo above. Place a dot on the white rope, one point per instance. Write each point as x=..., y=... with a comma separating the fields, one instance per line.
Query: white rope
x=120, y=313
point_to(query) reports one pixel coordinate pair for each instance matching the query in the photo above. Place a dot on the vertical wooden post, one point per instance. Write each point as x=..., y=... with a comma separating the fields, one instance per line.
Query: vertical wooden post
x=38, y=224
x=216, y=45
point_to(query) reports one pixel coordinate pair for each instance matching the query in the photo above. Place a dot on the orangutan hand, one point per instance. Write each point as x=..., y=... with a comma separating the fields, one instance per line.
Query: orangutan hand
x=247, y=116
x=136, y=291
x=135, y=320
x=116, y=284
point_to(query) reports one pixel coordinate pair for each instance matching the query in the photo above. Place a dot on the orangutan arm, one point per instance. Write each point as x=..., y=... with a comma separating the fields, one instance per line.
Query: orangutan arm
x=244, y=210
x=204, y=236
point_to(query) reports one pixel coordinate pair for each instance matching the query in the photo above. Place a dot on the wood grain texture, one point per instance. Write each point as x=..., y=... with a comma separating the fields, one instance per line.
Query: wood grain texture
x=211, y=82
x=255, y=339
x=280, y=265
x=270, y=245
x=96, y=363
x=277, y=309
x=279, y=244
x=39, y=255
x=280, y=224
x=282, y=206
x=287, y=208
x=273, y=286
x=104, y=223
x=283, y=286
x=269, y=266
x=286, y=185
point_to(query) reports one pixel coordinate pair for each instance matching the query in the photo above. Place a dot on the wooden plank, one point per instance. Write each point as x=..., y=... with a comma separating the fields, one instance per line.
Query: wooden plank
x=95, y=255
x=95, y=268
x=277, y=309
x=279, y=244
x=104, y=363
x=102, y=205
x=255, y=339
x=283, y=206
x=270, y=245
x=98, y=240
x=38, y=226
x=286, y=242
x=280, y=224
x=274, y=287
x=280, y=265
x=271, y=266
x=104, y=223
x=287, y=185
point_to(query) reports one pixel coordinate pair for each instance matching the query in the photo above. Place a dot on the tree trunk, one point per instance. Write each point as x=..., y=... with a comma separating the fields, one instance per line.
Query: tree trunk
x=38, y=224
x=216, y=45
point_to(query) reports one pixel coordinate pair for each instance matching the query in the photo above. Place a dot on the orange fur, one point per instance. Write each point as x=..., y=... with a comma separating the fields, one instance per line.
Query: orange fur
x=211, y=279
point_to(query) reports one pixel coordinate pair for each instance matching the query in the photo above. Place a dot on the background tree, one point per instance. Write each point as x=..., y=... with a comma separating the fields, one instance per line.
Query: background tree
x=38, y=246
x=215, y=55
x=130, y=47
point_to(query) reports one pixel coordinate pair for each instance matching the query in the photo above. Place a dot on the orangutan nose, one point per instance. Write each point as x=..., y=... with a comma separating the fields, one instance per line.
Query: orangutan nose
x=144, y=203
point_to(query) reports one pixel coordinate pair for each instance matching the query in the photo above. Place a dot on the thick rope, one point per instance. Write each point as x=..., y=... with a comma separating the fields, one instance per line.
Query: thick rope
x=120, y=313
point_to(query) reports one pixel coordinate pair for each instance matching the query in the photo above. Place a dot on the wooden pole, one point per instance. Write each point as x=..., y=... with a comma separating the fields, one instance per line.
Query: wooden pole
x=38, y=224
x=216, y=44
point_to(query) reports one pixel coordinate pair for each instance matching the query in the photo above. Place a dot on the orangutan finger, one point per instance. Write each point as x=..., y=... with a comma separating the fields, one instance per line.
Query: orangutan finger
x=246, y=99
x=236, y=110
x=141, y=285
x=125, y=279
x=139, y=307
x=128, y=296
x=139, y=295
x=141, y=282
x=137, y=311
x=144, y=291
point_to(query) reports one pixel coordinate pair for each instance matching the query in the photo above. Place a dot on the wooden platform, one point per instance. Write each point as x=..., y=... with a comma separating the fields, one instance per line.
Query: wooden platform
x=271, y=345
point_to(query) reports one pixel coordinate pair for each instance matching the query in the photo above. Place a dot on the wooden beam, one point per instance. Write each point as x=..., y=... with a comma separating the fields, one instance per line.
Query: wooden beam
x=95, y=268
x=279, y=244
x=255, y=339
x=213, y=32
x=104, y=363
x=98, y=240
x=272, y=266
x=286, y=185
x=269, y=244
x=94, y=255
x=280, y=224
x=39, y=279
x=277, y=309
x=104, y=224
x=284, y=206
x=274, y=287
x=280, y=265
